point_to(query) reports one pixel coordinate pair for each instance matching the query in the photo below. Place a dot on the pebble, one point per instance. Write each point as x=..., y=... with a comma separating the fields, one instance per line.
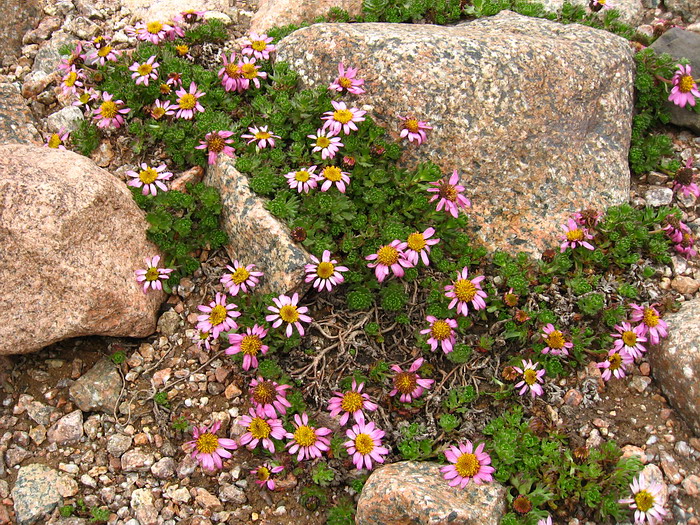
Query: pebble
x=164, y=468
x=67, y=487
x=117, y=444
x=670, y=468
x=232, y=494
x=640, y=383
x=143, y=507
x=658, y=196
x=136, y=460
x=645, y=369
x=685, y=285
x=631, y=450
x=691, y=485
x=68, y=429
x=207, y=500
x=178, y=494
x=232, y=391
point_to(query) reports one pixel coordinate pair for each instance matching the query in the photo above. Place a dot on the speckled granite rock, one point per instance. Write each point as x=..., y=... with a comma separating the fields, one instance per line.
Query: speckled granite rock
x=16, y=18
x=413, y=492
x=680, y=43
x=675, y=363
x=71, y=238
x=255, y=236
x=163, y=10
x=17, y=124
x=273, y=13
x=690, y=9
x=531, y=114
x=35, y=494
x=99, y=389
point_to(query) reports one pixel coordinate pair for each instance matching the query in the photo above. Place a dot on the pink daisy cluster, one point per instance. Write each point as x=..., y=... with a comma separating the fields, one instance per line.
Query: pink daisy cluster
x=57, y=140
x=397, y=255
x=325, y=273
x=240, y=75
x=531, y=378
x=209, y=449
x=463, y=291
x=681, y=235
x=217, y=143
x=149, y=179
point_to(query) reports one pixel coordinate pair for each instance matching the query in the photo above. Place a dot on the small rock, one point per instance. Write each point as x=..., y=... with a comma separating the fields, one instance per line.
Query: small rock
x=98, y=389
x=35, y=493
x=232, y=392
x=117, y=444
x=658, y=196
x=68, y=429
x=169, y=323
x=15, y=455
x=654, y=177
x=143, y=507
x=191, y=176
x=36, y=82
x=682, y=448
x=207, y=500
x=670, y=468
x=136, y=460
x=164, y=468
x=573, y=397
x=232, y=494
x=186, y=466
x=594, y=440
x=68, y=118
x=67, y=487
x=178, y=494
x=631, y=450
x=161, y=377
x=640, y=383
x=103, y=155
x=691, y=485
x=40, y=413
x=653, y=474
x=645, y=369
x=685, y=285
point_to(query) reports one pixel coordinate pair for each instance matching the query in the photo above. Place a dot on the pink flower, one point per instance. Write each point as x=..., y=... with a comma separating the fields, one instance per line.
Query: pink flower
x=468, y=465
x=556, y=344
x=217, y=142
x=547, y=521
x=327, y=144
x=146, y=71
x=389, y=257
x=302, y=180
x=150, y=179
x=86, y=97
x=442, y=333
x=342, y=118
x=264, y=475
x=75, y=57
x=464, y=290
x=676, y=230
x=260, y=429
x=269, y=396
x=241, y=278
x=249, y=73
x=616, y=364
x=365, y=444
x=208, y=449
x=191, y=15
x=646, y=501
x=57, y=140
x=575, y=235
x=331, y=175
x=629, y=339
x=260, y=46
x=684, y=88
x=71, y=81
x=110, y=112
x=154, y=32
x=685, y=246
x=324, y=273
x=684, y=182
x=409, y=384
x=174, y=79
x=652, y=324
x=597, y=5
x=588, y=218
x=306, y=439
x=414, y=129
x=419, y=245
x=351, y=402
x=250, y=344
x=286, y=311
x=347, y=81
x=175, y=32
x=262, y=136
x=188, y=103
x=202, y=338
x=152, y=275
x=218, y=316
x=102, y=55
x=230, y=74
x=161, y=109
x=531, y=378
x=450, y=194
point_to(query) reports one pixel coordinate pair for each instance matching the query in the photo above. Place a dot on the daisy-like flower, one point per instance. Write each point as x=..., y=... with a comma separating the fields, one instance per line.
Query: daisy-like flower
x=202, y=339
x=86, y=97
x=175, y=32
x=547, y=521
x=324, y=273
x=75, y=58
x=302, y=180
x=352, y=403
x=260, y=46
x=71, y=81
x=365, y=444
x=191, y=15
x=307, y=441
x=409, y=384
x=249, y=344
x=684, y=182
x=264, y=473
x=588, y=218
x=442, y=333
x=208, y=449
x=510, y=298
x=347, y=81
x=150, y=179
x=414, y=129
x=342, y=118
x=597, y=5
x=218, y=316
x=684, y=88
x=110, y=112
x=154, y=32
x=556, y=343
x=161, y=109
x=174, y=79
x=57, y=140
x=216, y=142
x=655, y=327
x=269, y=396
x=102, y=54
x=464, y=290
x=262, y=136
x=449, y=191
x=241, y=278
x=287, y=311
x=261, y=428
x=675, y=229
x=575, y=235
x=685, y=246
x=418, y=245
x=331, y=175
x=531, y=377
x=389, y=257
x=183, y=51
x=152, y=276
x=230, y=74
x=250, y=73
x=188, y=103
x=630, y=339
x=326, y=143
x=645, y=501
x=142, y=73
x=468, y=464
x=615, y=365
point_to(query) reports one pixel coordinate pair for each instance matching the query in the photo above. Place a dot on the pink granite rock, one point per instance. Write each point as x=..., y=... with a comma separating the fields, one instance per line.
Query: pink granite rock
x=16, y=18
x=273, y=13
x=71, y=238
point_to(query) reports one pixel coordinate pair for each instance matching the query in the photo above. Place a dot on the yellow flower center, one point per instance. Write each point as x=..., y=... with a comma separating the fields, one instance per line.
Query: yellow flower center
x=241, y=274
x=259, y=428
x=464, y=290
x=203, y=335
x=70, y=79
x=448, y=192
x=152, y=274
x=148, y=176
x=615, y=361
x=467, y=465
x=54, y=141
x=387, y=255
x=574, y=235
x=251, y=345
x=263, y=473
x=216, y=144
x=323, y=142
x=650, y=318
x=342, y=115
x=108, y=109
x=305, y=436
x=530, y=376
x=332, y=173
x=187, y=101
x=182, y=50
x=440, y=330
x=302, y=176
x=249, y=71
x=84, y=98
x=207, y=443
x=104, y=51
x=157, y=112
x=233, y=70
x=685, y=84
x=218, y=315
x=325, y=270
x=352, y=401
x=405, y=382
x=264, y=393
x=345, y=82
x=145, y=69
x=165, y=89
x=555, y=340
x=289, y=313
x=416, y=241
x=364, y=444
x=258, y=45
x=629, y=338
x=154, y=27
x=262, y=135
x=644, y=500
x=411, y=125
